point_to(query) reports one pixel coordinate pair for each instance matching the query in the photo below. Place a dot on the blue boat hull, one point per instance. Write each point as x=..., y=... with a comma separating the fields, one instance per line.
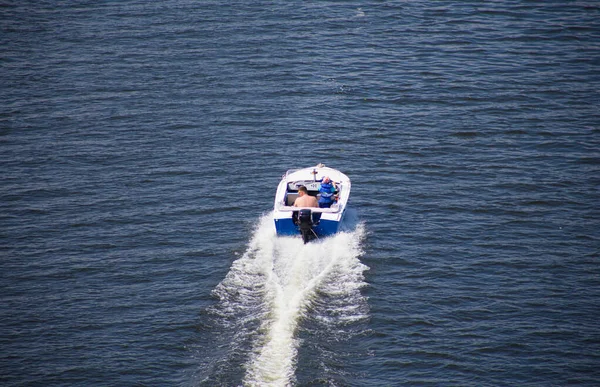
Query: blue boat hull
x=324, y=228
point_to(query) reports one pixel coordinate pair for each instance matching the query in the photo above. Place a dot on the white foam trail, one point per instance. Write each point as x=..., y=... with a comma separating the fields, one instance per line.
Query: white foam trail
x=274, y=283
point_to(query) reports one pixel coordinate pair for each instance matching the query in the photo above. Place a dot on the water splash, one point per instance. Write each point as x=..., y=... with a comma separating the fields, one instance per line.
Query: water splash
x=274, y=285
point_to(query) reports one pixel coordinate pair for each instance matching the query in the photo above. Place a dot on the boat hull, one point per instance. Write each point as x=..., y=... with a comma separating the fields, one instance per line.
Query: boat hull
x=286, y=226
x=326, y=221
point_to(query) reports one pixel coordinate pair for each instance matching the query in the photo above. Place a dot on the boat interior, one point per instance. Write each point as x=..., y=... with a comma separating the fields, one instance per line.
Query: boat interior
x=312, y=186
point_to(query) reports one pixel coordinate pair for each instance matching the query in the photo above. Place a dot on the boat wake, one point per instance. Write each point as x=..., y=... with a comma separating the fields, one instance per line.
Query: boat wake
x=277, y=286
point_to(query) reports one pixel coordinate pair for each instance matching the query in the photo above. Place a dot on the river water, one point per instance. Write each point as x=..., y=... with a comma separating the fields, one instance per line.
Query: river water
x=141, y=144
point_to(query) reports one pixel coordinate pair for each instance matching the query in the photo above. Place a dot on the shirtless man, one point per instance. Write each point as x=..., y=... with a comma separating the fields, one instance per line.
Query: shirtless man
x=304, y=199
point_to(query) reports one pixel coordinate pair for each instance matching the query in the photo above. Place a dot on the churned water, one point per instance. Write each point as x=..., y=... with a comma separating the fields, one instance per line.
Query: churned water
x=278, y=285
x=141, y=144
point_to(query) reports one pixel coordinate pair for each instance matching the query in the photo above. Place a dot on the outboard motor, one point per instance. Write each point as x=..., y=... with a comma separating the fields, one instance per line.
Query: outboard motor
x=305, y=223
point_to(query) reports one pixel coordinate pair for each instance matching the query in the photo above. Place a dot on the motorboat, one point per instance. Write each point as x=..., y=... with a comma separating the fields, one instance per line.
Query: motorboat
x=310, y=222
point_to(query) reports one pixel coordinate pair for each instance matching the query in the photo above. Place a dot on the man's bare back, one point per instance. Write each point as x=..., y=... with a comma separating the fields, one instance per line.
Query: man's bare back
x=305, y=200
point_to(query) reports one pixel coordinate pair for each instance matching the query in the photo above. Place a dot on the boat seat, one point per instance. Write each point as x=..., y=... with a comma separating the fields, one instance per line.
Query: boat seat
x=290, y=199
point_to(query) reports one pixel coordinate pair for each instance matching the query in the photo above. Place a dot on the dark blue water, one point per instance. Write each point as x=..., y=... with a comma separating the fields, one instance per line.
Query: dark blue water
x=141, y=144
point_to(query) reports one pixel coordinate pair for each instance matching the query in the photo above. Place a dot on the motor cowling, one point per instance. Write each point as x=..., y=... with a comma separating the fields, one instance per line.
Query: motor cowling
x=305, y=224
x=305, y=218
